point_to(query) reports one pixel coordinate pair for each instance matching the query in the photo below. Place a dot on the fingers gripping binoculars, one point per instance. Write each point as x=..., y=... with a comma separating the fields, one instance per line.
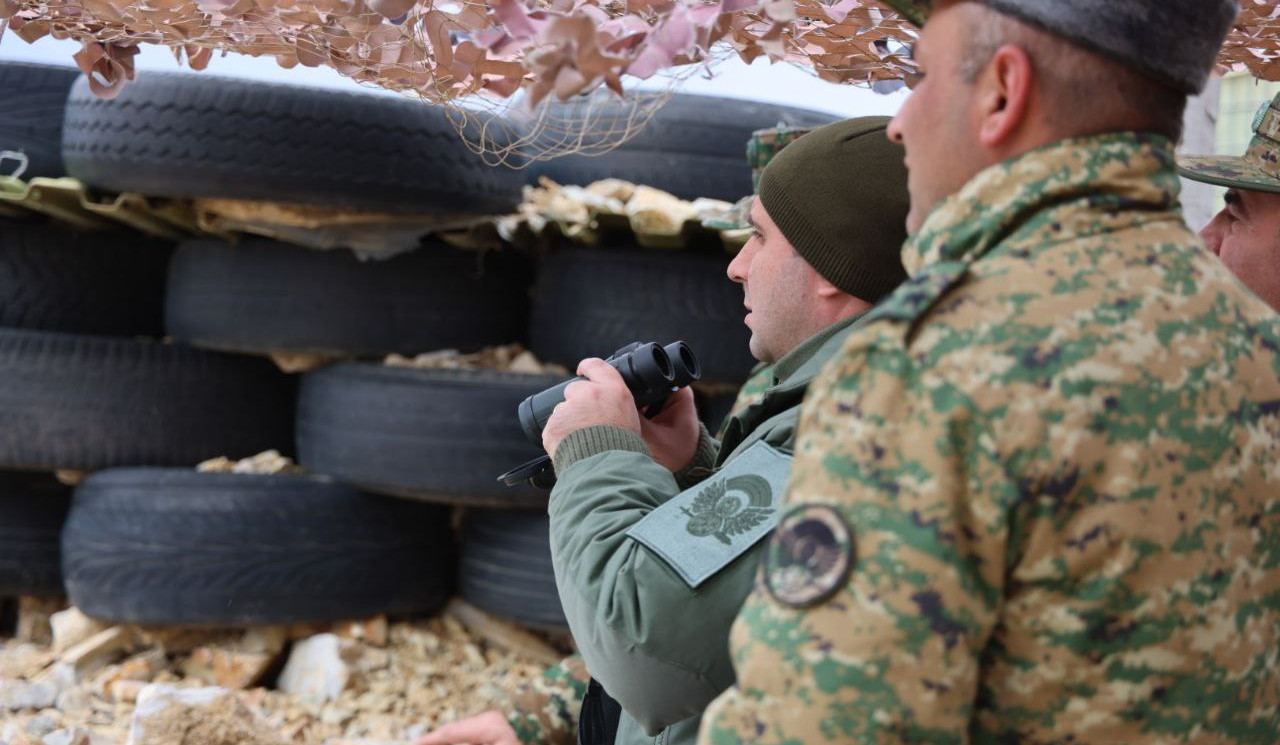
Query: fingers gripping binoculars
x=651, y=373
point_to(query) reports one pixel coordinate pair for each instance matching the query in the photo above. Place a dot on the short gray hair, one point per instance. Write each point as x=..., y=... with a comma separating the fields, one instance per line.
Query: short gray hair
x=1088, y=93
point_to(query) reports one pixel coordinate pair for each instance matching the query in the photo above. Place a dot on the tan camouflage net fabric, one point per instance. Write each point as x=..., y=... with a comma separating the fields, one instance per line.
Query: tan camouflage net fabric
x=447, y=50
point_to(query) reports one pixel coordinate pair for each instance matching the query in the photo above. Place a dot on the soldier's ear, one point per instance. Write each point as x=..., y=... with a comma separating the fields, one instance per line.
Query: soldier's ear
x=825, y=289
x=1002, y=96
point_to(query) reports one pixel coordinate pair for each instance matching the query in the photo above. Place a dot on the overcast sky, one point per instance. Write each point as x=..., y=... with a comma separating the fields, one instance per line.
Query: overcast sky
x=760, y=81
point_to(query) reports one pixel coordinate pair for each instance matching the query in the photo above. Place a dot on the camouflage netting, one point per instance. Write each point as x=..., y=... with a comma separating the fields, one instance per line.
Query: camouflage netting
x=446, y=50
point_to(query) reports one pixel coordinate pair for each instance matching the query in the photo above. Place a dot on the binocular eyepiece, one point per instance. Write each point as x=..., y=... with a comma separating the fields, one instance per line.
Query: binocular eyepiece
x=651, y=372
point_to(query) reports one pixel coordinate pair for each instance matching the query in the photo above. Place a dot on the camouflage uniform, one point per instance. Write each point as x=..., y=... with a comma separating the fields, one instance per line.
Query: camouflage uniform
x=765, y=144
x=546, y=711
x=1257, y=170
x=751, y=392
x=1036, y=498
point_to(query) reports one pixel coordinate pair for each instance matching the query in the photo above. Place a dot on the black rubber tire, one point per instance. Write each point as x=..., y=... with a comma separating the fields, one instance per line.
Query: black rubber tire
x=163, y=546
x=590, y=302
x=90, y=402
x=263, y=296
x=35, y=99
x=505, y=567
x=33, y=508
x=185, y=135
x=438, y=435
x=694, y=146
x=56, y=279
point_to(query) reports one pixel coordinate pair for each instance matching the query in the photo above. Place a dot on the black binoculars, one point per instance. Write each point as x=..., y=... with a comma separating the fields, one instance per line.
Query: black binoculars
x=651, y=372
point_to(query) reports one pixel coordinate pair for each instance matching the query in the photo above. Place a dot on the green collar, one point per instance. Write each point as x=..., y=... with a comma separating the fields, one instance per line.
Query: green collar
x=798, y=366
x=1066, y=189
x=791, y=377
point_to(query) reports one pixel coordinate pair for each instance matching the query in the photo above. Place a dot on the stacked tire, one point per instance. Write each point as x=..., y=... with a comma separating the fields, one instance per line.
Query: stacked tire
x=693, y=146
x=148, y=540
x=84, y=385
x=392, y=453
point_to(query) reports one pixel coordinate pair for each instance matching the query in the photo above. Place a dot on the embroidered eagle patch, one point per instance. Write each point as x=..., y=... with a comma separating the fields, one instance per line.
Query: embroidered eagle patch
x=717, y=511
x=708, y=526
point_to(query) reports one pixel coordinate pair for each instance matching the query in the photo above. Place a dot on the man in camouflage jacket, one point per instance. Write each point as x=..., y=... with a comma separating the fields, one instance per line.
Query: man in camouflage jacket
x=1036, y=496
x=1245, y=234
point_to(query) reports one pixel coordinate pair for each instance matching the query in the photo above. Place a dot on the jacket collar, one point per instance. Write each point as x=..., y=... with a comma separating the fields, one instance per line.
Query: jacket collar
x=797, y=367
x=1068, y=189
x=791, y=377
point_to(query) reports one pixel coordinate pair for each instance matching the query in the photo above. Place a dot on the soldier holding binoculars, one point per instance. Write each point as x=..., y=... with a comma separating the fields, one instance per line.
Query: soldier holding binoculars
x=655, y=525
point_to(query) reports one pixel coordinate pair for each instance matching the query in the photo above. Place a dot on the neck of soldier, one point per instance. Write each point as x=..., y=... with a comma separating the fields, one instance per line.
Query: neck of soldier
x=1076, y=186
x=1044, y=123
x=830, y=306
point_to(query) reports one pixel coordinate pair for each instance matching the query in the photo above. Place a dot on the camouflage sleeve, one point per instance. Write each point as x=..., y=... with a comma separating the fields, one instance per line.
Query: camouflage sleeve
x=880, y=586
x=545, y=712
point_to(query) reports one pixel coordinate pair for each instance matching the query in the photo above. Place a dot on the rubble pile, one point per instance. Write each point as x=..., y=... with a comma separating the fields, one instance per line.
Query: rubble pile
x=508, y=358
x=67, y=679
x=654, y=218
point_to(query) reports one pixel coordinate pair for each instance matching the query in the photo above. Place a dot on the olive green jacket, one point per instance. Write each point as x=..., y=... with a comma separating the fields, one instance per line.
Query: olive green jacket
x=656, y=644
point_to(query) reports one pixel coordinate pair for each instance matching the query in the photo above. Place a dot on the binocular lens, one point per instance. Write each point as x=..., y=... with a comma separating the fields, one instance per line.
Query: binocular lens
x=663, y=362
x=685, y=367
x=649, y=370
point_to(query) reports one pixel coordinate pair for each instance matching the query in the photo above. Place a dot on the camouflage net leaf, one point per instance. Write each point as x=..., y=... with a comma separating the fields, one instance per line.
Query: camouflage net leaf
x=446, y=51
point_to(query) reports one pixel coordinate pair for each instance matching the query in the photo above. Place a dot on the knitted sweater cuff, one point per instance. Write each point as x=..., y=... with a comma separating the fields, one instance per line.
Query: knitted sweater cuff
x=589, y=441
x=704, y=459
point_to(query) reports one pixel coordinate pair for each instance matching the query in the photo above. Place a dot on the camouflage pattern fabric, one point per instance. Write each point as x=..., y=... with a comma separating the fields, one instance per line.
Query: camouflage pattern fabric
x=1036, y=498
x=546, y=711
x=1258, y=170
x=767, y=143
x=752, y=391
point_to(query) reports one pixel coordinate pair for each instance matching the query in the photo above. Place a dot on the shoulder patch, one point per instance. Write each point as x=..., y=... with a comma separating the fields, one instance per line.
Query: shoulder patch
x=809, y=557
x=702, y=529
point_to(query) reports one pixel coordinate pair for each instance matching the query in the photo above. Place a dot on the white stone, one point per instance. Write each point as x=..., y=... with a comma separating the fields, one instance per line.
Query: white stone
x=42, y=724
x=69, y=736
x=74, y=700
x=98, y=651
x=12, y=735
x=28, y=694
x=316, y=671
x=70, y=627
x=168, y=715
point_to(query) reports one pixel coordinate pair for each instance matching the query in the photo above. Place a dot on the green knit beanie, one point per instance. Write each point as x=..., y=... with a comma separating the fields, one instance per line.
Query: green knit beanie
x=839, y=196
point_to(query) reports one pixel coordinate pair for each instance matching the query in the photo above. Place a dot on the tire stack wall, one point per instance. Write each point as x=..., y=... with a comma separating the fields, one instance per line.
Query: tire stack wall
x=85, y=384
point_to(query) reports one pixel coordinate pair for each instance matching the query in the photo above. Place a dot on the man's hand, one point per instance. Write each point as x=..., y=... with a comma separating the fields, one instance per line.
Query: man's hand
x=601, y=399
x=489, y=728
x=672, y=436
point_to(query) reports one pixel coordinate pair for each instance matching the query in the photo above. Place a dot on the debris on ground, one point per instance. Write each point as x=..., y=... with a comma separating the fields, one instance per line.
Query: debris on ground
x=507, y=358
x=301, y=362
x=93, y=683
x=266, y=463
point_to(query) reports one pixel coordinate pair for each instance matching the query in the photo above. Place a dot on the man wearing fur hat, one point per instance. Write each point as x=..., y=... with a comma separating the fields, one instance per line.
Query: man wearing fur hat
x=1246, y=233
x=656, y=527
x=1035, y=496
